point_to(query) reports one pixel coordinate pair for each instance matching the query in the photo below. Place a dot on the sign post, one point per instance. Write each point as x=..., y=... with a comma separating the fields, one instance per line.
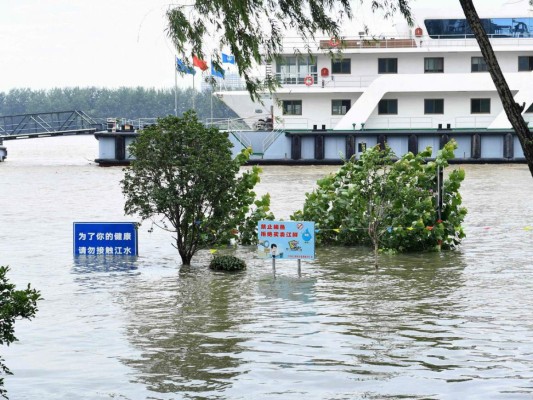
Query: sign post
x=286, y=240
x=105, y=238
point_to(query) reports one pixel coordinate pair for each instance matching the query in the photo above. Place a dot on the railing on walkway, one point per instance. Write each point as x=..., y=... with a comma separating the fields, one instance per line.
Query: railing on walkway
x=394, y=40
x=255, y=123
x=473, y=122
x=47, y=124
x=272, y=136
x=240, y=129
x=399, y=123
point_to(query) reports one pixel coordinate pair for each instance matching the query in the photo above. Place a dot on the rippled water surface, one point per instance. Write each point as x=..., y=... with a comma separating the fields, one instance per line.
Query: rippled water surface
x=425, y=326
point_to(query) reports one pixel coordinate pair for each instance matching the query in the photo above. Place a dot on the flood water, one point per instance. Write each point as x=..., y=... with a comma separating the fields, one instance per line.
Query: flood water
x=456, y=325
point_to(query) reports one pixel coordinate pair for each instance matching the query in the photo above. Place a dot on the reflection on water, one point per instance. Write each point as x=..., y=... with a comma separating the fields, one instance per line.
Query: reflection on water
x=98, y=264
x=228, y=336
x=440, y=326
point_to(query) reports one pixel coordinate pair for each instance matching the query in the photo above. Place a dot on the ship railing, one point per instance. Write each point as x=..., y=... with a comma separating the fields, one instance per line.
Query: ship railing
x=361, y=41
x=348, y=81
x=394, y=40
x=301, y=78
x=140, y=123
x=136, y=123
x=294, y=123
x=242, y=138
x=238, y=127
x=473, y=122
x=400, y=123
x=271, y=137
x=427, y=122
x=287, y=79
x=230, y=82
x=238, y=124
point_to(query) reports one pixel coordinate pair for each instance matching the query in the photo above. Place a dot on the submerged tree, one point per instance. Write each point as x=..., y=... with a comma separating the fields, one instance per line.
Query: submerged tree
x=184, y=174
x=14, y=304
x=388, y=204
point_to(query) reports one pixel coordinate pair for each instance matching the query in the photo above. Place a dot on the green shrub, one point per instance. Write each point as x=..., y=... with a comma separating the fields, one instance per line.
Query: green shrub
x=388, y=203
x=227, y=263
x=14, y=305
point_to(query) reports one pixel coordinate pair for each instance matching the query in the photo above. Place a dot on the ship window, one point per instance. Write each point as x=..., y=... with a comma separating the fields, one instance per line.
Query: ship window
x=525, y=63
x=433, y=106
x=479, y=64
x=293, y=70
x=343, y=66
x=387, y=65
x=480, y=106
x=530, y=109
x=433, y=64
x=388, y=106
x=340, y=107
x=494, y=27
x=292, y=107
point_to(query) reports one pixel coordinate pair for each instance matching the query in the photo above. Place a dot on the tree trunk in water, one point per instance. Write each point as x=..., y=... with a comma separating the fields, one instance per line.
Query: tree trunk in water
x=185, y=253
x=372, y=232
x=376, y=252
x=512, y=109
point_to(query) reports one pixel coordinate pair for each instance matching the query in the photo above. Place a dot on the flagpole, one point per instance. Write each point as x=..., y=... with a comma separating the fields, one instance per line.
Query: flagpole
x=193, y=93
x=211, y=101
x=175, y=87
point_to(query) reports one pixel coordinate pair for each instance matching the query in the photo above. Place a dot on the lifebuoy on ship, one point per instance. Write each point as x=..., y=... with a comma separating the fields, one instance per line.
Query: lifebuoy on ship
x=308, y=80
x=418, y=32
x=334, y=42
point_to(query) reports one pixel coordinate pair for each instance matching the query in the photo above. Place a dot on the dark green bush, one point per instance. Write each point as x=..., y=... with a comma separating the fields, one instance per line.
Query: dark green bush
x=389, y=203
x=227, y=263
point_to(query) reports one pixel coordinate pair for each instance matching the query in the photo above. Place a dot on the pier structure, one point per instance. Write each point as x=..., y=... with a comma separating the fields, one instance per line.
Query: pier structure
x=46, y=124
x=330, y=147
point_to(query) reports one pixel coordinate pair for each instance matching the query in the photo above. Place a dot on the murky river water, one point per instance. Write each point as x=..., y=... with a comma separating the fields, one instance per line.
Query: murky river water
x=442, y=326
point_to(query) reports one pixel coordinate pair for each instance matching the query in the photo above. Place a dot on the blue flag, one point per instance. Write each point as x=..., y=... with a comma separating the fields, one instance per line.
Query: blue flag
x=181, y=67
x=214, y=72
x=228, y=59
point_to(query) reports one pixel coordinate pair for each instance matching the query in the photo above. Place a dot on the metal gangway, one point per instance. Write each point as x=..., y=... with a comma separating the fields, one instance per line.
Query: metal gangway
x=247, y=132
x=59, y=123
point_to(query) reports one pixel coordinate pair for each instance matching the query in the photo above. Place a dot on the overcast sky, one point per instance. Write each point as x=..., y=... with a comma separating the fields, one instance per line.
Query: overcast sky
x=105, y=43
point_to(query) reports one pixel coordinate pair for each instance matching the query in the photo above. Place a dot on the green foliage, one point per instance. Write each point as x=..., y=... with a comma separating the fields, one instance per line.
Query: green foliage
x=14, y=304
x=260, y=211
x=227, y=263
x=131, y=103
x=253, y=31
x=184, y=173
x=393, y=204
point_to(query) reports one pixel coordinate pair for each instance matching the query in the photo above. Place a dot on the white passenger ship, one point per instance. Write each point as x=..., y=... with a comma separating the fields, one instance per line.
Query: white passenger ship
x=414, y=87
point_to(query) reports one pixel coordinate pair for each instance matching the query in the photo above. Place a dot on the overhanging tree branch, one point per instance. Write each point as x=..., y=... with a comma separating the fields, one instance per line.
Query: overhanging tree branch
x=512, y=109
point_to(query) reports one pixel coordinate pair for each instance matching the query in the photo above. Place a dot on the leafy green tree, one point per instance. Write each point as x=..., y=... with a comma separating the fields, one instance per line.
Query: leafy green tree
x=184, y=174
x=388, y=204
x=14, y=304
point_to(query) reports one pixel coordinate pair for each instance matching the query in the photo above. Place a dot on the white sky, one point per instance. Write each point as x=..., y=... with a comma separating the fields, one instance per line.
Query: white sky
x=104, y=43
